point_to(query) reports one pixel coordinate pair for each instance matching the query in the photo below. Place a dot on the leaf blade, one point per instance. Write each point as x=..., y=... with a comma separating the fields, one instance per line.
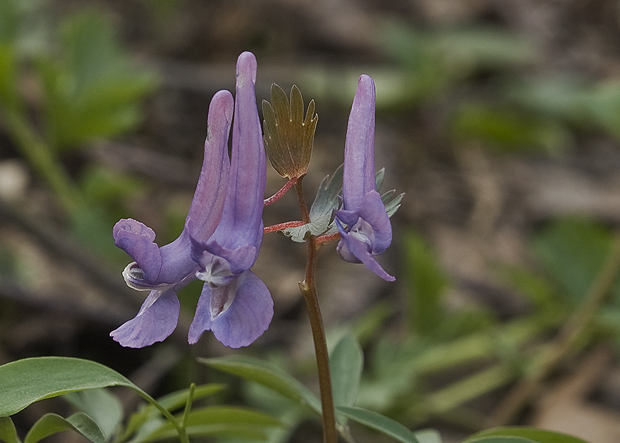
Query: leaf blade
x=50, y=377
x=346, y=364
x=51, y=424
x=380, y=423
x=267, y=375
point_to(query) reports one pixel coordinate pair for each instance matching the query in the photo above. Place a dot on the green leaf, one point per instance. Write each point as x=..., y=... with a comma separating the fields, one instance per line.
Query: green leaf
x=9, y=96
x=10, y=21
x=500, y=440
x=219, y=420
x=346, y=363
x=91, y=88
x=573, y=251
x=321, y=211
x=52, y=423
x=391, y=202
x=8, y=433
x=435, y=60
x=102, y=406
x=426, y=281
x=524, y=434
x=602, y=105
x=471, y=387
x=171, y=402
x=26, y=381
x=380, y=423
x=267, y=375
x=508, y=128
x=537, y=288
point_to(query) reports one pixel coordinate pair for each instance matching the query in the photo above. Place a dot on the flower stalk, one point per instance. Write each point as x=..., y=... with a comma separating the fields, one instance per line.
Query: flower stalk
x=308, y=290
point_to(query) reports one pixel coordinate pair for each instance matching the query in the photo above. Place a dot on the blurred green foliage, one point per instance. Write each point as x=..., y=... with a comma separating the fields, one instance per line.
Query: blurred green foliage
x=91, y=90
x=74, y=86
x=497, y=97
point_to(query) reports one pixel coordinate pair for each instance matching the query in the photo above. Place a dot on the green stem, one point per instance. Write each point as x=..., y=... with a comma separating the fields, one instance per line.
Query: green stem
x=42, y=158
x=308, y=289
x=183, y=437
x=188, y=405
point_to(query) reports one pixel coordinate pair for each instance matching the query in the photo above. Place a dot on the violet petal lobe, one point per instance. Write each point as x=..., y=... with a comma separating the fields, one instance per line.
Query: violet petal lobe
x=352, y=248
x=240, y=259
x=246, y=314
x=155, y=321
x=138, y=240
x=373, y=211
x=206, y=209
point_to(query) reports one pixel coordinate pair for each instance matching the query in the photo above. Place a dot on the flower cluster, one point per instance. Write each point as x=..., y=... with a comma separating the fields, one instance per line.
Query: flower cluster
x=220, y=242
x=224, y=228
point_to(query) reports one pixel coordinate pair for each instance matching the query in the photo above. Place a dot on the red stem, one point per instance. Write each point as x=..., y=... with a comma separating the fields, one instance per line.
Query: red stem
x=308, y=289
x=275, y=197
x=281, y=226
x=328, y=238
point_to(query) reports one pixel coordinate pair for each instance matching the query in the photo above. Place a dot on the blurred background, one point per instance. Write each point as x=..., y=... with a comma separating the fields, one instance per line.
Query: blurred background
x=499, y=119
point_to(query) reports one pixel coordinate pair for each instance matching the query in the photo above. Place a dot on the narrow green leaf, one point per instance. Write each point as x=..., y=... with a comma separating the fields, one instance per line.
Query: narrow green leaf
x=525, y=433
x=51, y=424
x=508, y=129
x=501, y=440
x=101, y=405
x=267, y=375
x=171, y=402
x=391, y=202
x=212, y=420
x=8, y=433
x=426, y=284
x=9, y=96
x=471, y=387
x=346, y=364
x=379, y=422
x=26, y=381
x=246, y=433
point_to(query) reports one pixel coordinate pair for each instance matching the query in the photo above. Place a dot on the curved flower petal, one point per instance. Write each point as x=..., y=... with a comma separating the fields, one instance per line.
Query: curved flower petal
x=240, y=259
x=349, y=218
x=206, y=208
x=249, y=314
x=137, y=240
x=155, y=321
x=241, y=222
x=359, y=166
x=354, y=250
x=202, y=318
x=373, y=211
x=241, y=320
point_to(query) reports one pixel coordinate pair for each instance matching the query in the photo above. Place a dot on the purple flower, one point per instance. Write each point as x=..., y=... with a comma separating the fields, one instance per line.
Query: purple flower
x=164, y=270
x=221, y=239
x=235, y=304
x=368, y=231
